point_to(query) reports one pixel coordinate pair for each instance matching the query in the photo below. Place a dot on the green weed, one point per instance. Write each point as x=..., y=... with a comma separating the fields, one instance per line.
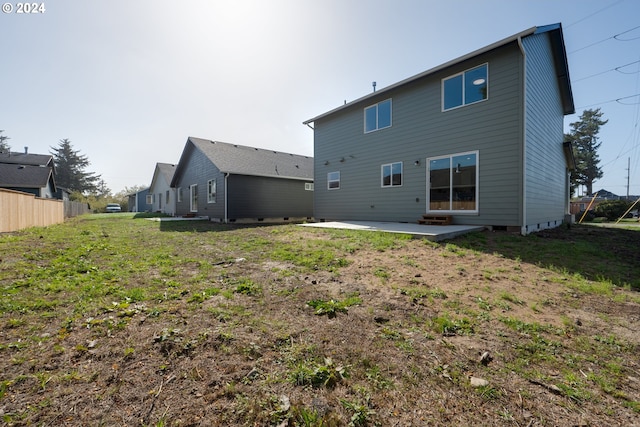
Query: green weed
x=309, y=372
x=332, y=307
x=446, y=325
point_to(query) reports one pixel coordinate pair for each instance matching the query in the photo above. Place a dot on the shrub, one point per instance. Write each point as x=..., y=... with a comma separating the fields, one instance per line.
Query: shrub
x=612, y=209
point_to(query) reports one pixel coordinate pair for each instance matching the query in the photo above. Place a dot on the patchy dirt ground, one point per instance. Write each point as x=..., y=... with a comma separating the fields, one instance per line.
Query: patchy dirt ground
x=470, y=332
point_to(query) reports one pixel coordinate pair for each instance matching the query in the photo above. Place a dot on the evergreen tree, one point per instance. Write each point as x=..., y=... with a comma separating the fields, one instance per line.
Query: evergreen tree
x=70, y=169
x=4, y=147
x=584, y=138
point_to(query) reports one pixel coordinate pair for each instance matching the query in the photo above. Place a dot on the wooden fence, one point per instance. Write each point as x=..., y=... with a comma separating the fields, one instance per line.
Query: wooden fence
x=21, y=210
x=72, y=209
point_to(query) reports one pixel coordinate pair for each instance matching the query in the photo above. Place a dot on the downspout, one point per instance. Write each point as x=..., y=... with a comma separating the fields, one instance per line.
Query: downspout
x=226, y=218
x=523, y=227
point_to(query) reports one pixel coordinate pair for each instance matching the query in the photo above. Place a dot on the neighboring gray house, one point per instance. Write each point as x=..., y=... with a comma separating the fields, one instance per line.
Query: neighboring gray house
x=478, y=140
x=162, y=197
x=29, y=173
x=138, y=201
x=37, y=180
x=228, y=183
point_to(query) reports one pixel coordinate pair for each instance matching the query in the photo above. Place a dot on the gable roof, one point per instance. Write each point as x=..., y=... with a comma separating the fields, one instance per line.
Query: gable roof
x=166, y=170
x=559, y=55
x=244, y=160
x=25, y=176
x=27, y=159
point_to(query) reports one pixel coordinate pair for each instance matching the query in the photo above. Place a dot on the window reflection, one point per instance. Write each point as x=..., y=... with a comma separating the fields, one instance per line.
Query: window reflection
x=453, y=183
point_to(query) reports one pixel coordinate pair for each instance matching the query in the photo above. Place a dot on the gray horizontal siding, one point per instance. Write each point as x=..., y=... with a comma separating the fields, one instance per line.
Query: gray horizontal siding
x=252, y=197
x=546, y=174
x=249, y=197
x=420, y=130
x=199, y=170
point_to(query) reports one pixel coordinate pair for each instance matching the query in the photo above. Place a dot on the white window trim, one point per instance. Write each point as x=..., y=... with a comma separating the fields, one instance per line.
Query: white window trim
x=212, y=196
x=179, y=194
x=329, y=181
x=456, y=75
x=377, y=128
x=477, y=195
x=308, y=186
x=391, y=185
x=193, y=187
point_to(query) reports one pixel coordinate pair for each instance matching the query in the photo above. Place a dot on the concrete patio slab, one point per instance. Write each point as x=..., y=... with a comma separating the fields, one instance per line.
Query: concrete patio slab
x=431, y=232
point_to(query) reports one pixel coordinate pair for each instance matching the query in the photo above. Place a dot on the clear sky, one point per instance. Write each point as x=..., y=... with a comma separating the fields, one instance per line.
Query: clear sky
x=127, y=81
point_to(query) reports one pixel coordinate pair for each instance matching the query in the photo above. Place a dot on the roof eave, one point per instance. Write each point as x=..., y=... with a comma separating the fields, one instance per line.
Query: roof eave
x=562, y=66
x=296, y=178
x=463, y=58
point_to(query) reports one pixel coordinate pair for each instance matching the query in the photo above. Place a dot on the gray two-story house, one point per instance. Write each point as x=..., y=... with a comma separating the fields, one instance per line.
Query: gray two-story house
x=236, y=183
x=478, y=140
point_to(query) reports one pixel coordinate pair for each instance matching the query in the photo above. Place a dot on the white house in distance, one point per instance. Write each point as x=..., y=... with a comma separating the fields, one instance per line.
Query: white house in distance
x=161, y=197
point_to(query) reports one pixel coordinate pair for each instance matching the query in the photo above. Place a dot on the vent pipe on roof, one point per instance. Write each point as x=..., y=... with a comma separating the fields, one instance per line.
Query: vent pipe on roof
x=26, y=150
x=374, y=86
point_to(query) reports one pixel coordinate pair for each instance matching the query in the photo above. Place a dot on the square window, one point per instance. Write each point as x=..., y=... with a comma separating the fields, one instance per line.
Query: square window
x=333, y=180
x=392, y=174
x=377, y=116
x=465, y=88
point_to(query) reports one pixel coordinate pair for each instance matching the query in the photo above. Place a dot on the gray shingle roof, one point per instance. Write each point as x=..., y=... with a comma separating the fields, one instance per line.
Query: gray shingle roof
x=26, y=176
x=166, y=170
x=243, y=160
x=27, y=159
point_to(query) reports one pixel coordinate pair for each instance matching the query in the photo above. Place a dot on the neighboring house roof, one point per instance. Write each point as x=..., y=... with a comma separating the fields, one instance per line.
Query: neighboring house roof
x=138, y=192
x=25, y=176
x=166, y=170
x=606, y=194
x=27, y=159
x=244, y=160
x=559, y=55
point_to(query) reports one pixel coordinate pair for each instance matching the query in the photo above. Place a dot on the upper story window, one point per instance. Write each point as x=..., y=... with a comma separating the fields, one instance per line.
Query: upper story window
x=465, y=88
x=377, y=116
x=392, y=174
x=333, y=180
x=308, y=186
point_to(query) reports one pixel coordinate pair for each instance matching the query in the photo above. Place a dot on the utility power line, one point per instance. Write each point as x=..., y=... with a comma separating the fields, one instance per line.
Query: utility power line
x=612, y=100
x=616, y=37
x=612, y=69
x=594, y=13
